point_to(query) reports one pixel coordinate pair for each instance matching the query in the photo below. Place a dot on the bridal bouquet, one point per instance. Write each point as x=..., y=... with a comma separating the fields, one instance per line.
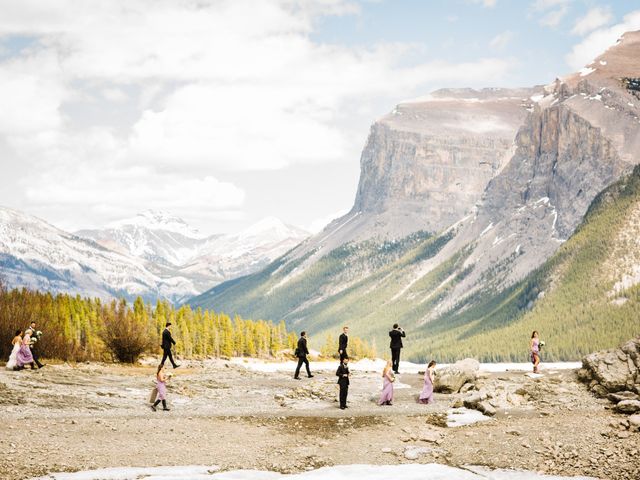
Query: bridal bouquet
x=541, y=344
x=35, y=337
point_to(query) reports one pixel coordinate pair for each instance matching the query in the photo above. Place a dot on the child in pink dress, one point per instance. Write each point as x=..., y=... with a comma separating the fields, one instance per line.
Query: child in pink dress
x=161, y=386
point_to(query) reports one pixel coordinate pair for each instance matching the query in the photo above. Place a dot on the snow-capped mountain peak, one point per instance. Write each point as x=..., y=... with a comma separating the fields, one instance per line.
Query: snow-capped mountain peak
x=271, y=228
x=153, y=254
x=157, y=220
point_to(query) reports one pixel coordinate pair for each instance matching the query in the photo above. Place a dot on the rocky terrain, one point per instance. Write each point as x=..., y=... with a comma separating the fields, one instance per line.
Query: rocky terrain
x=615, y=374
x=86, y=416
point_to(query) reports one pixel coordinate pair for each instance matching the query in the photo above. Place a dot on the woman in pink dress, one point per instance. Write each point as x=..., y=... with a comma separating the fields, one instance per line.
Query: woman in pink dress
x=534, y=347
x=426, y=396
x=161, y=386
x=386, y=398
x=24, y=356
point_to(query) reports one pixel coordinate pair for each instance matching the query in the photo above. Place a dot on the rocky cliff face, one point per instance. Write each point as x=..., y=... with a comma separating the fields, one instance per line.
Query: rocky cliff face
x=581, y=136
x=426, y=164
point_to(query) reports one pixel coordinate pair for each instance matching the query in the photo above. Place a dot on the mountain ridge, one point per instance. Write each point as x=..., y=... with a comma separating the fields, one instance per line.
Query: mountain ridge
x=154, y=255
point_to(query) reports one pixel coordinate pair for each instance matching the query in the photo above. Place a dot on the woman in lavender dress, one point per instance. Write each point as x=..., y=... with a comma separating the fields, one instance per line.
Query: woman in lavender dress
x=24, y=356
x=16, y=342
x=534, y=347
x=387, y=385
x=161, y=386
x=426, y=396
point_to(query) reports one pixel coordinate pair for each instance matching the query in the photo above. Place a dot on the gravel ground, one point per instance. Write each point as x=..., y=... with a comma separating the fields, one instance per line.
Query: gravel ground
x=86, y=416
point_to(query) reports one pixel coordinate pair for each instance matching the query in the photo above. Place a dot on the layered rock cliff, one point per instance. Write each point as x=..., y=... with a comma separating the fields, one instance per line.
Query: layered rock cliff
x=582, y=135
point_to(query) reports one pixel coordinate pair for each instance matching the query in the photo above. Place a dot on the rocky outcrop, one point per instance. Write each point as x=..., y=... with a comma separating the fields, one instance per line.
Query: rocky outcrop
x=427, y=163
x=451, y=379
x=615, y=374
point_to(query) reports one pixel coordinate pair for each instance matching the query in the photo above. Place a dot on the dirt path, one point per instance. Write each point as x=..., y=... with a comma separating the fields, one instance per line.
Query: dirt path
x=68, y=418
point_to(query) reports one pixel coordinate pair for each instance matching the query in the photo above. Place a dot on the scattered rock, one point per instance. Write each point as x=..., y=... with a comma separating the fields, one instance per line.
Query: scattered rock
x=487, y=408
x=634, y=422
x=628, y=406
x=620, y=396
x=412, y=453
x=430, y=436
x=452, y=378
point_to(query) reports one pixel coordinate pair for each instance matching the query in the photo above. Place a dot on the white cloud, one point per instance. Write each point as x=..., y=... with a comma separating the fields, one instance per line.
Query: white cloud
x=501, y=40
x=594, y=18
x=600, y=40
x=547, y=4
x=116, y=193
x=554, y=17
x=318, y=224
x=486, y=3
x=118, y=96
x=553, y=11
x=31, y=93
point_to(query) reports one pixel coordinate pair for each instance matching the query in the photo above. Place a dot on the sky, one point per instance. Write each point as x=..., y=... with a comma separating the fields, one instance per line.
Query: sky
x=225, y=112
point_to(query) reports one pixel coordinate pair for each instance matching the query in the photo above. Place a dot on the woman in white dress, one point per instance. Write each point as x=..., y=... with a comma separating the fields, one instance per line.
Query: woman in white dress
x=16, y=342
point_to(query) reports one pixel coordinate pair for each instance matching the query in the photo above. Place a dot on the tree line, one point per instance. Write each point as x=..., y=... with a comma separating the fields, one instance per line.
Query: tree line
x=82, y=329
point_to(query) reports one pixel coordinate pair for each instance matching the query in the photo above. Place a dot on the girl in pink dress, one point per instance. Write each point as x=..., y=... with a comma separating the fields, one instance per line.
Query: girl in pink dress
x=426, y=396
x=24, y=356
x=161, y=386
x=387, y=385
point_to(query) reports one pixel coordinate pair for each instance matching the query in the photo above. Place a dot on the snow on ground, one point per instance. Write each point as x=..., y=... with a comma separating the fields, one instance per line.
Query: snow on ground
x=458, y=417
x=431, y=471
x=367, y=365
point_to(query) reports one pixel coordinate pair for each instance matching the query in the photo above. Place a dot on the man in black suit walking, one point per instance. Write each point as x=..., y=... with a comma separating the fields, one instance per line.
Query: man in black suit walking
x=33, y=345
x=343, y=380
x=301, y=352
x=167, y=343
x=343, y=341
x=397, y=334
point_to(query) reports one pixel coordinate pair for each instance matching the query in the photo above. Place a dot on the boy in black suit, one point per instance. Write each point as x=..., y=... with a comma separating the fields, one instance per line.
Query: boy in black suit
x=343, y=380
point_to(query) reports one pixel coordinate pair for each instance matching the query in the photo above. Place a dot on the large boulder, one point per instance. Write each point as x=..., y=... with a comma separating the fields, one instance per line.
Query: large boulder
x=610, y=371
x=450, y=379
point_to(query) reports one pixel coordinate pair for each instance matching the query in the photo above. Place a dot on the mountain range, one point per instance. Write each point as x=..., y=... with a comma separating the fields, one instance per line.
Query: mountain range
x=464, y=207
x=153, y=255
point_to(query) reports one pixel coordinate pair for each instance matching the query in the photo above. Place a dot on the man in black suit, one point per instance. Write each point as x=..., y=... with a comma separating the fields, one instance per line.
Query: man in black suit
x=397, y=334
x=343, y=341
x=343, y=380
x=301, y=352
x=35, y=338
x=167, y=343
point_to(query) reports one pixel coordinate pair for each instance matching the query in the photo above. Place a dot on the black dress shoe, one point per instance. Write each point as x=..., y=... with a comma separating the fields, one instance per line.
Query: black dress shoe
x=342, y=408
x=296, y=378
x=310, y=376
x=176, y=366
